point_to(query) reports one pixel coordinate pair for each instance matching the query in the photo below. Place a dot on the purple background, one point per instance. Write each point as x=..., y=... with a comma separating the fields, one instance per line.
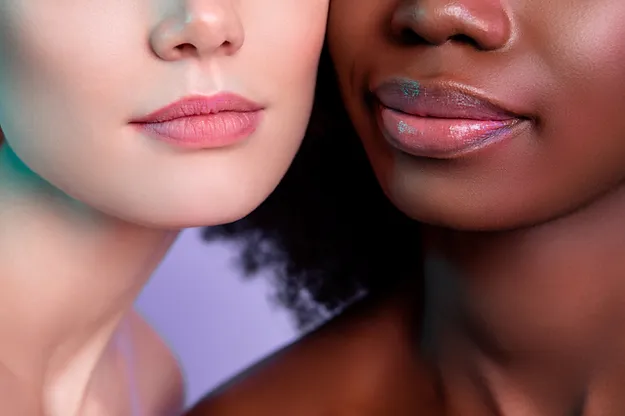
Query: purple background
x=216, y=322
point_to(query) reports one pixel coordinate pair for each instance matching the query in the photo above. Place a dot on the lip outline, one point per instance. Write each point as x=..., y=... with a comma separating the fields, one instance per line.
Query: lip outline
x=478, y=107
x=199, y=105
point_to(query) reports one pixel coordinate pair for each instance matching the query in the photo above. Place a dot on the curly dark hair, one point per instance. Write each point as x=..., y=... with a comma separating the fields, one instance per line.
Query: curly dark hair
x=327, y=234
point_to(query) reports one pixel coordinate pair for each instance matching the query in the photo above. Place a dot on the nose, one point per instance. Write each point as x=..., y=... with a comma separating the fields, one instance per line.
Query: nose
x=199, y=28
x=483, y=23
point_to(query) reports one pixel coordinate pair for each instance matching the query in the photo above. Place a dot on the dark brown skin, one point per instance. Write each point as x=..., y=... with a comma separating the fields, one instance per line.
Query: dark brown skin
x=532, y=229
x=360, y=364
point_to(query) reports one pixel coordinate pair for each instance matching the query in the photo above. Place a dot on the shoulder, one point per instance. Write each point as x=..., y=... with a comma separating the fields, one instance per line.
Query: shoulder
x=347, y=367
x=288, y=382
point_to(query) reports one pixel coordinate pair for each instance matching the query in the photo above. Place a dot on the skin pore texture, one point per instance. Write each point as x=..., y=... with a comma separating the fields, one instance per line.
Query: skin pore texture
x=89, y=204
x=524, y=230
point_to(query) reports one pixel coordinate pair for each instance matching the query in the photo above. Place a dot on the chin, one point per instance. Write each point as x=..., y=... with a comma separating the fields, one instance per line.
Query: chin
x=189, y=216
x=477, y=208
x=178, y=198
x=460, y=218
x=173, y=212
x=483, y=214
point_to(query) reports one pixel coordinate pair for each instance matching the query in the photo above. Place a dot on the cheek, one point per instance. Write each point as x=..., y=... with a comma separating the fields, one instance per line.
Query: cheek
x=283, y=47
x=62, y=66
x=356, y=47
x=286, y=45
x=75, y=53
x=84, y=38
x=586, y=55
x=354, y=30
x=585, y=47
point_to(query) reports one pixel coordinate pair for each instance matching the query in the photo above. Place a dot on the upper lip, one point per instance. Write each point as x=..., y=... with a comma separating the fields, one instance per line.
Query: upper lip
x=198, y=105
x=439, y=100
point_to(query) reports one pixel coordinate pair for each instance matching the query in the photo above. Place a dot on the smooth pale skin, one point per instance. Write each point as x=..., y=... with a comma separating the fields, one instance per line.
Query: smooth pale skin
x=89, y=206
x=531, y=305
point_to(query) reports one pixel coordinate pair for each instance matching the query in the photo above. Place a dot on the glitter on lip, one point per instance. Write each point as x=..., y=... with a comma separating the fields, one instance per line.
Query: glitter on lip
x=411, y=89
x=404, y=128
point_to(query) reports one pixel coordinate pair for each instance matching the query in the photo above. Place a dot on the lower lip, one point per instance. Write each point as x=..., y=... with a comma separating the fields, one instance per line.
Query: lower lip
x=205, y=131
x=442, y=138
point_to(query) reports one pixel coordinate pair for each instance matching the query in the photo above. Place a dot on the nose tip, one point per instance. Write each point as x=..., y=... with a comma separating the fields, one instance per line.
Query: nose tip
x=483, y=23
x=199, y=32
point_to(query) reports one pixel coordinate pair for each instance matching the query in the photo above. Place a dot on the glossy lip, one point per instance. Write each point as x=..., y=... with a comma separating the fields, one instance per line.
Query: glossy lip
x=201, y=122
x=441, y=121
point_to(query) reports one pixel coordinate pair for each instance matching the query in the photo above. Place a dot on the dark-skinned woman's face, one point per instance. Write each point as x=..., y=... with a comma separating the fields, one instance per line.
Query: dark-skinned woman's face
x=486, y=114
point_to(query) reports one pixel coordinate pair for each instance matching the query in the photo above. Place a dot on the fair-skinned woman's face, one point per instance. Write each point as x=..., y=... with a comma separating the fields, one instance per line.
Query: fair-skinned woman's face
x=79, y=77
x=486, y=114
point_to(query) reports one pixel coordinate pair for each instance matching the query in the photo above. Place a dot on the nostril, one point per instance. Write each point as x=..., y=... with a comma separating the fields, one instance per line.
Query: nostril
x=227, y=46
x=186, y=50
x=464, y=39
x=410, y=37
x=185, y=47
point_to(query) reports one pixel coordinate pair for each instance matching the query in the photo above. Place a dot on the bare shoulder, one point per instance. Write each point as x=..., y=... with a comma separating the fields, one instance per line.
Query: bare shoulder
x=160, y=382
x=136, y=365
x=354, y=365
x=136, y=374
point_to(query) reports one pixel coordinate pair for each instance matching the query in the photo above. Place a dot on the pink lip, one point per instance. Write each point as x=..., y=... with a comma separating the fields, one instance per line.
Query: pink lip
x=440, y=121
x=200, y=122
x=442, y=138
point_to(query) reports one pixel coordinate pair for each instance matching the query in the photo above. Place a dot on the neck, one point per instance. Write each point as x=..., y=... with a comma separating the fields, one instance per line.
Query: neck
x=535, y=314
x=68, y=275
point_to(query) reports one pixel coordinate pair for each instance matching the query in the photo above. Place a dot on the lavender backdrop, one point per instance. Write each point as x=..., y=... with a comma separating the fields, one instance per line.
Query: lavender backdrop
x=216, y=323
